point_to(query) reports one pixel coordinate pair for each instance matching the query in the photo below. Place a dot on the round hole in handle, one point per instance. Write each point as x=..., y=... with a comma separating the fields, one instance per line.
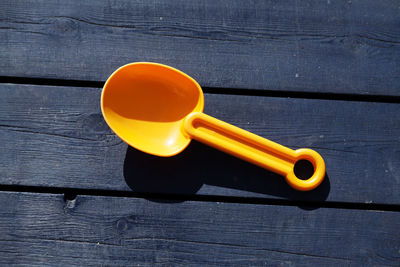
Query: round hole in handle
x=303, y=169
x=316, y=177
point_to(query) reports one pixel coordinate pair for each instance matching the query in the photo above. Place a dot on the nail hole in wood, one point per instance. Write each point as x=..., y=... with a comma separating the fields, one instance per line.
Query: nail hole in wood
x=69, y=197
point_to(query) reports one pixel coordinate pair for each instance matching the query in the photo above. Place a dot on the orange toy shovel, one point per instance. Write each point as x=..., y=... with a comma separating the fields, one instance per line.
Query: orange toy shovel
x=158, y=110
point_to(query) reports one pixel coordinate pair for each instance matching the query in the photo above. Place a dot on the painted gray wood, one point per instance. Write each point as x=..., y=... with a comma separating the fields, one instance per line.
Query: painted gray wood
x=56, y=137
x=43, y=230
x=308, y=46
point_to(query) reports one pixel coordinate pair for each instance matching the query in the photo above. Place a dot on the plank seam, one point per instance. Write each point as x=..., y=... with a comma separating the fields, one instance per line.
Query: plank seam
x=211, y=90
x=70, y=194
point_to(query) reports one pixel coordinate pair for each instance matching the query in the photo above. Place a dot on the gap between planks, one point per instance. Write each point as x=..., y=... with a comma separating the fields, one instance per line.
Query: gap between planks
x=219, y=90
x=71, y=193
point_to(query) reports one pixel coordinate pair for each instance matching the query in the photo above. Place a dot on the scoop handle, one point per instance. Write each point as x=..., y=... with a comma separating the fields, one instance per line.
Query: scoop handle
x=254, y=149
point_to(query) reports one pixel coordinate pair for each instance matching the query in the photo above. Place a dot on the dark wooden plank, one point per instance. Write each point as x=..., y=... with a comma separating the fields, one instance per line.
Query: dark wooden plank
x=43, y=230
x=56, y=136
x=315, y=46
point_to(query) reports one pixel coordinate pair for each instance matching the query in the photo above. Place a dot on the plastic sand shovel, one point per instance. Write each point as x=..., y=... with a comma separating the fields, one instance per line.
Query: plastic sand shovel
x=158, y=110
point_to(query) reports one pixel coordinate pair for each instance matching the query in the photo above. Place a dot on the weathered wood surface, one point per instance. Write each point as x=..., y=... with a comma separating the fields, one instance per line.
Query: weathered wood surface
x=56, y=137
x=43, y=230
x=314, y=46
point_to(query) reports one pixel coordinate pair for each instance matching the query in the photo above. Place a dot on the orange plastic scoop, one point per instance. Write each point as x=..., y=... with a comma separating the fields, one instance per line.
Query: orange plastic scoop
x=158, y=110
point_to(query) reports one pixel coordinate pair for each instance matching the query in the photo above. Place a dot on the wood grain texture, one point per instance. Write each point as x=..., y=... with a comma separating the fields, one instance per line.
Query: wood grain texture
x=43, y=230
x=314, y=46
x=56, y=137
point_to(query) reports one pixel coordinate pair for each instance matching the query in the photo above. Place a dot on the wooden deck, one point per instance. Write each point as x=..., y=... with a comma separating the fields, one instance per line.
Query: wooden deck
x=317, y=74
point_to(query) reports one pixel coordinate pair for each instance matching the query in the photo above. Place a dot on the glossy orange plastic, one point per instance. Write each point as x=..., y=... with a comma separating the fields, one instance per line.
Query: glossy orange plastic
x=158, y=110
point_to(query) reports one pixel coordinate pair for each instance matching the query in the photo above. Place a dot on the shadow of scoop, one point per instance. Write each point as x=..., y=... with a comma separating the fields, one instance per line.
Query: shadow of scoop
x=199, y=165
x=146, y=173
